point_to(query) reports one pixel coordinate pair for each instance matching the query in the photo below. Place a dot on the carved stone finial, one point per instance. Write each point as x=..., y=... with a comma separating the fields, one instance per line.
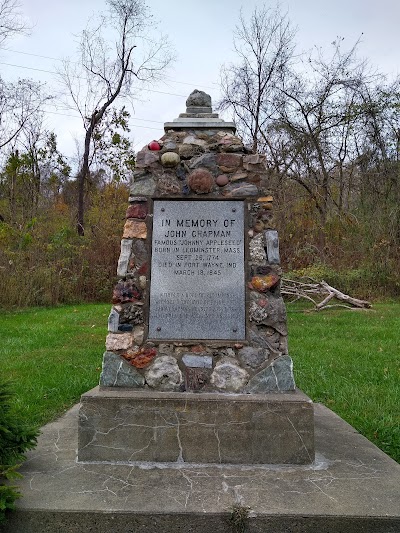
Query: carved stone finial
x=198, y=99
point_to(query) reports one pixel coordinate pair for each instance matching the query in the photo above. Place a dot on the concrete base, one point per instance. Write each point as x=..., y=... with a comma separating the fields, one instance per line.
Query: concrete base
x=125, y=426
x=351, y=487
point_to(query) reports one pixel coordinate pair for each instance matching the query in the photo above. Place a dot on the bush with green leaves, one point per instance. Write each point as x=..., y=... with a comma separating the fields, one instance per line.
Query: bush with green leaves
x=15, y=439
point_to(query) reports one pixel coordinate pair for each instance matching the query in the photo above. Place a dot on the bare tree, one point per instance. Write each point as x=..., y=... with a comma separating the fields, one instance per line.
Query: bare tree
x=19, y=102
x=107, y=72
x=11, y=20
x=319, y=113
x=264, y=48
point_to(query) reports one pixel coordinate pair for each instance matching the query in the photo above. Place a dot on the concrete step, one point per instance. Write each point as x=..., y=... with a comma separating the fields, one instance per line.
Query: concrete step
x=351, y=487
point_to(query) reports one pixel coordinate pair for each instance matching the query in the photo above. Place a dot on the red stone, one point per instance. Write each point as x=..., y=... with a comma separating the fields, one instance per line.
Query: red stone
x=125, y=291
x=229, y=160
x=143, y=269
x=140, y=358
x=137, y=210
x=154, y=145
x=201, y=181
x=222, y=180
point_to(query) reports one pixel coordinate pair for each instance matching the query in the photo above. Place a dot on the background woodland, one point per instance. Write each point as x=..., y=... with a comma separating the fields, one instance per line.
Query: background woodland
x=329, y=126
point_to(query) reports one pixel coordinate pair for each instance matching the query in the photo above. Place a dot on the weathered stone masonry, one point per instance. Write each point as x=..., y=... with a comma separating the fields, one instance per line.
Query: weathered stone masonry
x=199, y=158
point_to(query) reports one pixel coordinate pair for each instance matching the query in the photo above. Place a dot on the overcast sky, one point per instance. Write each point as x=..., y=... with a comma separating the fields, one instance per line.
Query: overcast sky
x=201, y=33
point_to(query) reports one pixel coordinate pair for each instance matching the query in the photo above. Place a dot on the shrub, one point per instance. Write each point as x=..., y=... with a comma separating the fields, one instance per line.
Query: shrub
x=15, y=439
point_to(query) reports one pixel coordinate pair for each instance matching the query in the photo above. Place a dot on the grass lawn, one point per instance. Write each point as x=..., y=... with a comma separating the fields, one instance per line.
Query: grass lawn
x=52, y=356
x=348, y=360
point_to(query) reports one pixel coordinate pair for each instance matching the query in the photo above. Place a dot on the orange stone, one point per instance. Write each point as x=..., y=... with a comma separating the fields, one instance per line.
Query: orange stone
x=265, y=199
x=140, y=358
x=263, y=283
x=134, y=229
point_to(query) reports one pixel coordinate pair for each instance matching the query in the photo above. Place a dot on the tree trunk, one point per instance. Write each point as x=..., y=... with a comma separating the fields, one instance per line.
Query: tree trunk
x=82, y=178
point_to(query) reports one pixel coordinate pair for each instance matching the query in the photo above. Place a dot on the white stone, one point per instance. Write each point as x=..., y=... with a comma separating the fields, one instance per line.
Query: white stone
x=257, y=251
x=190, y=139
x=164, y=374
x=118, y=341
x=228, y=375
x=123, y=261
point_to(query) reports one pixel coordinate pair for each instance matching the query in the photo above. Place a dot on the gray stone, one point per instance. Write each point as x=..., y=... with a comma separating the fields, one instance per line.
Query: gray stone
x=228, y=375
x=233, y=148
x=164, y=374
x=138, y=175
x=168, y=185
x=138, y=334
x=132, y=314
x=198, y=115
x=283, y=345
x=252, y=357
x=145, y=158
x=187, y=151
x=117, y=372
x=240, y=189
x=260, y=337
x=272, y=312
x=170, y=145
x=193, y=110
x=198, y=99
x=145, y=187
x=272, y=246
x=113, y=321
x=123, y=261
x=165, y=349
x=139, y=252
x=277, y=377
x=180, y=171
x=197, y=361
x=205, y=161
x=257, y=251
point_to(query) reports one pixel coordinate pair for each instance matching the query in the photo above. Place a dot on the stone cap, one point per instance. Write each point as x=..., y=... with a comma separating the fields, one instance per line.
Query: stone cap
x=199, y=116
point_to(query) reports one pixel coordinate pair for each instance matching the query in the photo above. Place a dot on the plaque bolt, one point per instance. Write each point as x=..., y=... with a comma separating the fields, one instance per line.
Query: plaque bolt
x=234, y=330
x=158, y=329
x=162, y=209
x=233, y=209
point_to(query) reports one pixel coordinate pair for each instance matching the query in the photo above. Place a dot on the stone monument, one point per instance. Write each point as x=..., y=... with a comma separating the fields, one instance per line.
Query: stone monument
x=196, y=367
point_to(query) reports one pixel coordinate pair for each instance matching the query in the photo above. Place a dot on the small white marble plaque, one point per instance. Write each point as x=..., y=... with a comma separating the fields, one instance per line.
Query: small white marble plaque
x=197, y=286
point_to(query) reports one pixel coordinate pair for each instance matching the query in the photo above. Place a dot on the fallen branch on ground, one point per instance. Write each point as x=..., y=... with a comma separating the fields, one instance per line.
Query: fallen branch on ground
x=315, y=290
